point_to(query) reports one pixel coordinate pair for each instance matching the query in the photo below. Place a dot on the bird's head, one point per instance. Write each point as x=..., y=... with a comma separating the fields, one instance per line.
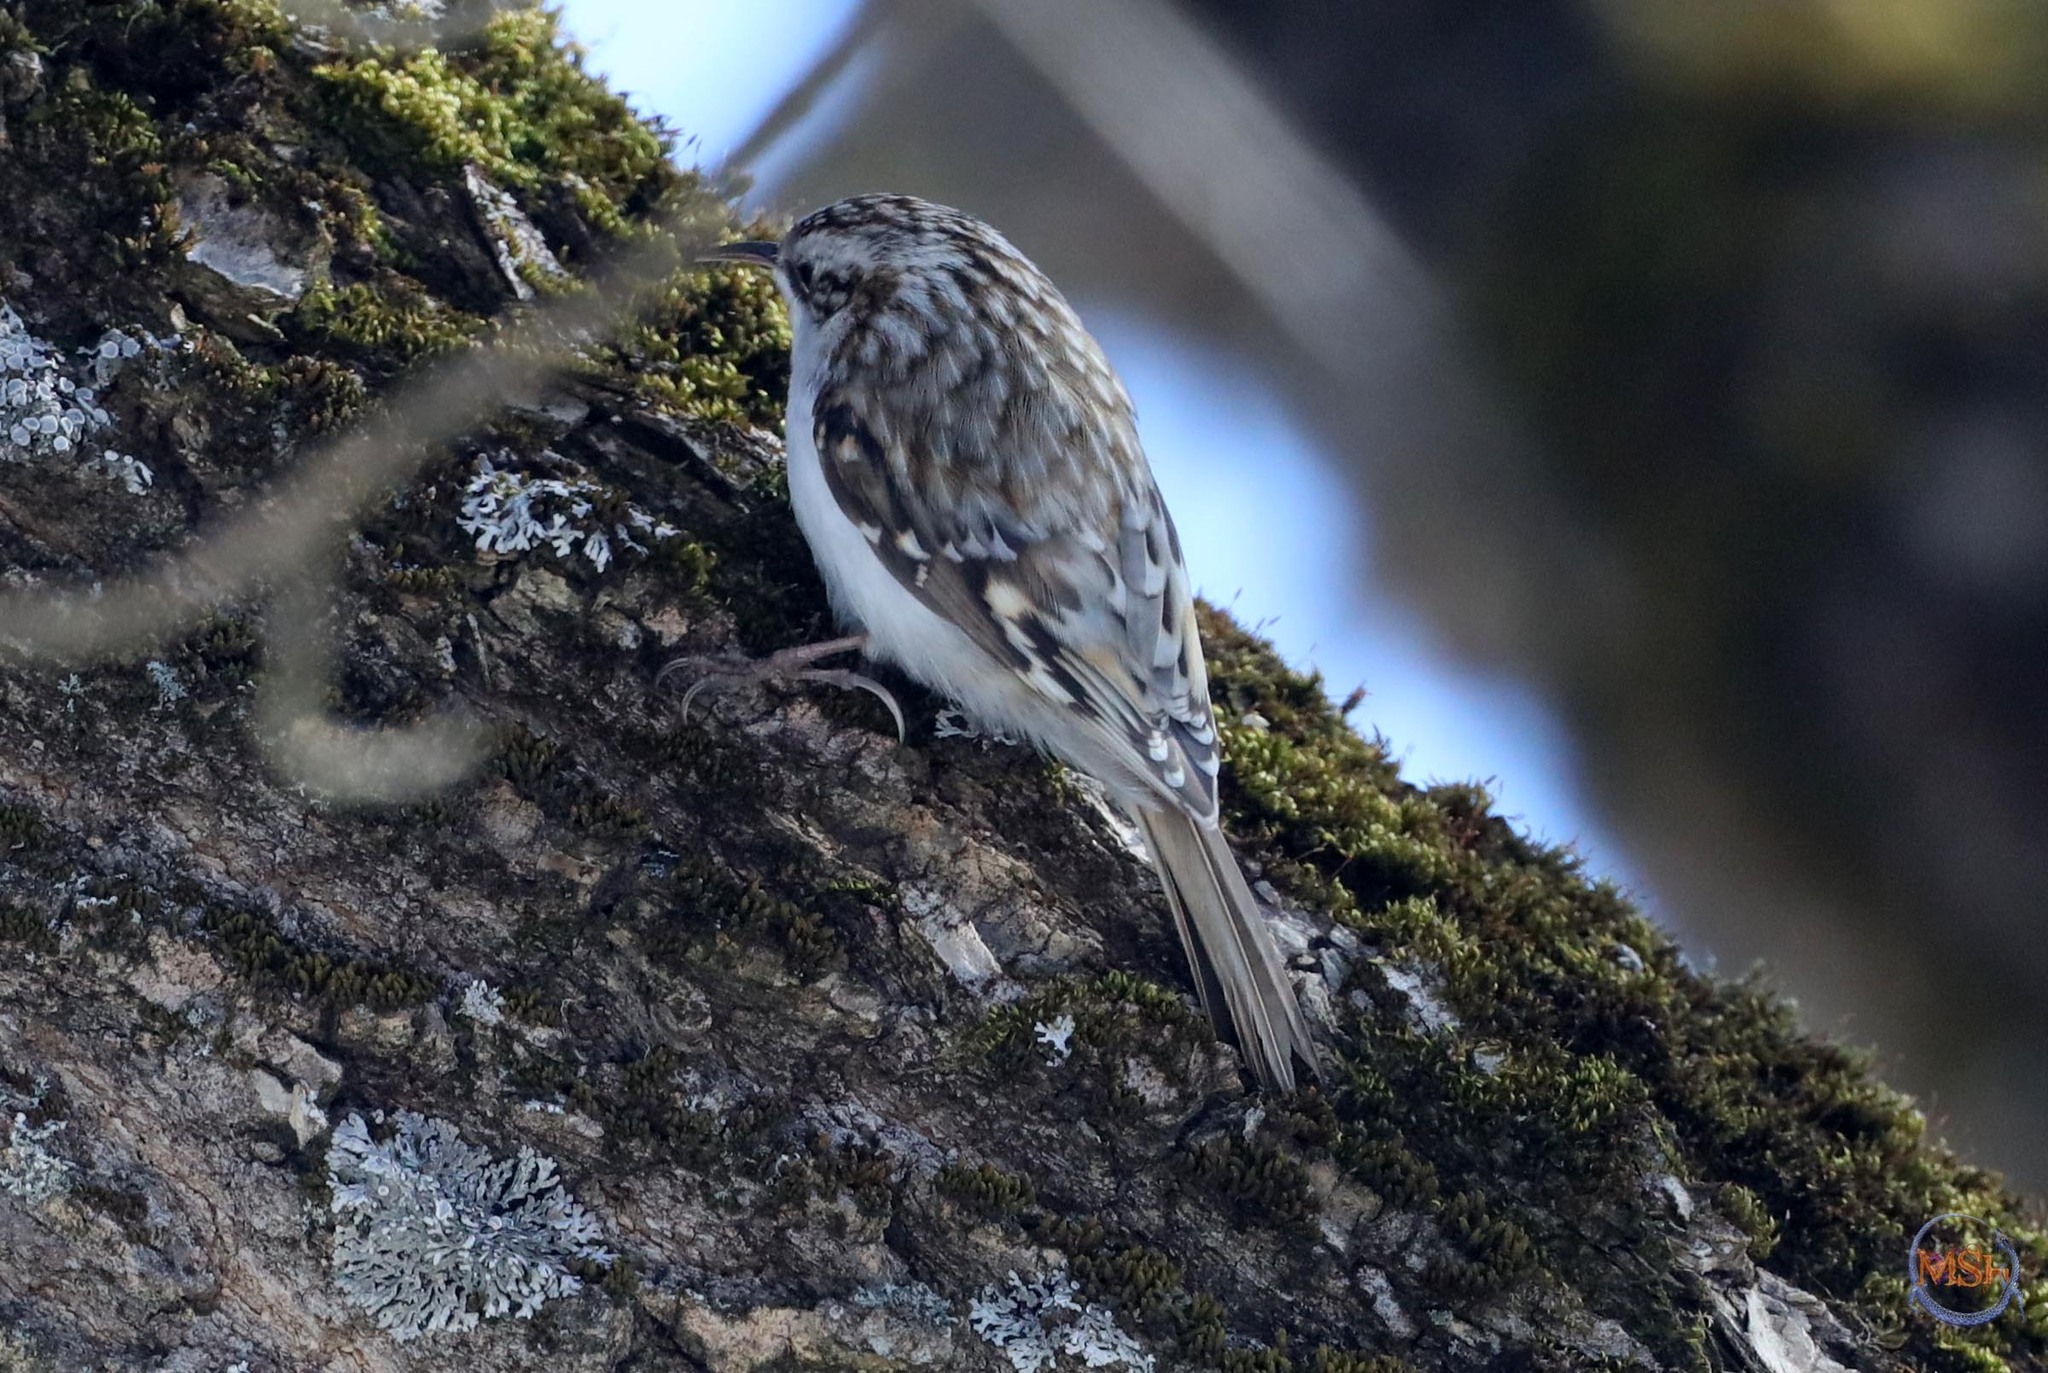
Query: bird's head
x=884, y=256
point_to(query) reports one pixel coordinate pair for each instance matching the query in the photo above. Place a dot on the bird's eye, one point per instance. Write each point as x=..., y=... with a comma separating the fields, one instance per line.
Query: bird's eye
x=802, y=273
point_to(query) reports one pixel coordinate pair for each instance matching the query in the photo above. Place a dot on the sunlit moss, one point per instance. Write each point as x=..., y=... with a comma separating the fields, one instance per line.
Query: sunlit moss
x=713, y=343
x=1602, y=1052
x=396, y=325
x=519, y=105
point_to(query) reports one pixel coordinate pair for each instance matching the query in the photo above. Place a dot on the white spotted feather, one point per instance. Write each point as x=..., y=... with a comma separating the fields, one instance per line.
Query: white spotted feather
x=966, y=468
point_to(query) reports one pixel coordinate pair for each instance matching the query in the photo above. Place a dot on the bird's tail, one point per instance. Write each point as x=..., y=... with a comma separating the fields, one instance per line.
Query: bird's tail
x=1238, y=971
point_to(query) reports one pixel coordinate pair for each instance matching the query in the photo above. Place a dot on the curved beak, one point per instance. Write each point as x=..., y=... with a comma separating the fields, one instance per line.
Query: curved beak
x=750, y=252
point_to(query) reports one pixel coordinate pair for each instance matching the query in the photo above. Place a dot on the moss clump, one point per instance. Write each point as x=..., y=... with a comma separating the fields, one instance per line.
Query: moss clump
x=700, y=761
x=987, y=1189
x=537, y=770
x=698, y=903
x=604, y=815
x=1116, y=1013
x=518, y=104
x=23, y=927
x=1584, y=1055
x=688, y=563
x=543, y=1075
x=531, y=1005
x=124, y=150
x=270, y=960
x=1147, y=1287
x=526, y=760
x=1746, y=1211
x=1258, y=1183
x=1389, y=1167
x=393, y=324
x=1136, y=1280
x=648, y=1108
x=20, y=828
x=713, y=344
x=427, y=583
x=1328, y=1360
x=244, y=405
x=225, y=649
x=1496, y=1250
x=619, y=1279
x=830, y=1169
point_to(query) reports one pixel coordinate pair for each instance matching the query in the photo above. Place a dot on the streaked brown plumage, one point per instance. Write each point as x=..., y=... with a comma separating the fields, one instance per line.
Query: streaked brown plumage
x=966, y=467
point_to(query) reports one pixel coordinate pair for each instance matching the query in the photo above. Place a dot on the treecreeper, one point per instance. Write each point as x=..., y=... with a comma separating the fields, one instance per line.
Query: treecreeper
x=965, y=466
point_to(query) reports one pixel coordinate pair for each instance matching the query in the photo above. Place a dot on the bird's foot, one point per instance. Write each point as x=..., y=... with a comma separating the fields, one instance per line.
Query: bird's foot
x=789, y=665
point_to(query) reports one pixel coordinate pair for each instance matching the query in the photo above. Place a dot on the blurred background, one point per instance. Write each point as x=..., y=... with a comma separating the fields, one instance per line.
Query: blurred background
x=1646, y=403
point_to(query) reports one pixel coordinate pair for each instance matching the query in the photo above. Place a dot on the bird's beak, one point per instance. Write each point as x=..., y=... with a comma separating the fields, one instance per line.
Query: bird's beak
x=751, y=252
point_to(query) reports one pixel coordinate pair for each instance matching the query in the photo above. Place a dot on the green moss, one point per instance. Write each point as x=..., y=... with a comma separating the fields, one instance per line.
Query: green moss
x=20, y=828
x=16, y=36
x=698, y=903
x=526, y=760
x=1603, y=1052
x=618, y=1279
x=1270, y=1360
x=1147, y=1288
x=259, y=952
x=542, y=1075
x=225, y=650
x=987, y=1190
x=1496, y=1250
x=1116, y=1012
x=858, y=1166
x=1389, y=1167
x=428, y=583
x=23, y=927
x=1141, y=1283
x=713, y=343
x=688, y=563
x=1746, y=1210
x=648, y=1107
x=1258, y=1182
x=1328, y=1360
x=602, y=814
x=518, y=104
x=392, y=325
x=531, y=1005
x=700, y=761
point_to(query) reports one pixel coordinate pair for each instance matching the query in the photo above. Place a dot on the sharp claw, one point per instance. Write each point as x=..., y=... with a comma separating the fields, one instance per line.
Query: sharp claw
x=779, y=665
x=841, y=677
x=683, y=714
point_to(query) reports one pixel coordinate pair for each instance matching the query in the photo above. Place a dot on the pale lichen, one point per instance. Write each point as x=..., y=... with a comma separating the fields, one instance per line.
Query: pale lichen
x=164, y=677
x=1057, y=1037
x=482, y=1002
x=1034, y=1322
x=431, y=1233
x=510, y=512
x=29, y=1170
x=51, y=408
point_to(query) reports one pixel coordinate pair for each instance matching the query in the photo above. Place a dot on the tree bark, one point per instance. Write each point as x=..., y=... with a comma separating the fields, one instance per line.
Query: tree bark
x=828, y=1036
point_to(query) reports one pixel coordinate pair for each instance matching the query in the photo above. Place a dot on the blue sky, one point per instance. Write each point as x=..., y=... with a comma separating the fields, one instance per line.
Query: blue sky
x=1278, y=541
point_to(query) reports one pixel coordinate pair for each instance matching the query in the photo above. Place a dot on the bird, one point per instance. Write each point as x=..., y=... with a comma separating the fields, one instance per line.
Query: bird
x=965, y=465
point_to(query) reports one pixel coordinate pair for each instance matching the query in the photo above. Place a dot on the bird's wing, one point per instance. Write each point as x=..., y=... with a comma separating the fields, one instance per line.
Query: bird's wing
x=1089, y=603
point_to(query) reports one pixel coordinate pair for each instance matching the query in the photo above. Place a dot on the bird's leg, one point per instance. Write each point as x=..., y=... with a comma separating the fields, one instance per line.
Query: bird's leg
x=791, y=664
